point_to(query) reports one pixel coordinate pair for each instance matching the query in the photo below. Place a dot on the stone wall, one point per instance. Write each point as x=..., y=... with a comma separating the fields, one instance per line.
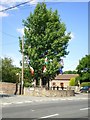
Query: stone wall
x=7, y=88
x=75, y=88
x=48, y=93
x=10, y=88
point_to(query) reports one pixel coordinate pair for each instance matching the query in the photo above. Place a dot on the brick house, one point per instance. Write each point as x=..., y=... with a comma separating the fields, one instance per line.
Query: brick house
x=62, y=79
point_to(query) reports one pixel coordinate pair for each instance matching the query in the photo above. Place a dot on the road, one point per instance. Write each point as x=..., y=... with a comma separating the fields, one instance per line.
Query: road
x=48, y=109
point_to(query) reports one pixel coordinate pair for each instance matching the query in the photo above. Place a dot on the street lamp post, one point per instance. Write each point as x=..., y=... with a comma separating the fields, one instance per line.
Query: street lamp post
x=22, y=87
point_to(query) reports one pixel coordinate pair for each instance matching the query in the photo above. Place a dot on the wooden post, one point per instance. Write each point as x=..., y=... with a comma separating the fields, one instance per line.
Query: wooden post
x=41, y=83
x=34, y=82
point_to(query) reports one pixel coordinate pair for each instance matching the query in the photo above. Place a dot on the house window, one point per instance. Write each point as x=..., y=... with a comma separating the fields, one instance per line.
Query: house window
x=53, y=83
x=62, y=84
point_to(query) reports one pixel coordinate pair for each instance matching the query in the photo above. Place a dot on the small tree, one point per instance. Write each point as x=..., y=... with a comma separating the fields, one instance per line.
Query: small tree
x=73, y=82
x=9, y=71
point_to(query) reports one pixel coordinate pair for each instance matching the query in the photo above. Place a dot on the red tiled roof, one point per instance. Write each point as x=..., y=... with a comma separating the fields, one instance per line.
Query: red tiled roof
x=65, y=76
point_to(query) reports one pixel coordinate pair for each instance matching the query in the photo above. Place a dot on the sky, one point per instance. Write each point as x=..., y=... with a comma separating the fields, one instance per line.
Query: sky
x=73, y=14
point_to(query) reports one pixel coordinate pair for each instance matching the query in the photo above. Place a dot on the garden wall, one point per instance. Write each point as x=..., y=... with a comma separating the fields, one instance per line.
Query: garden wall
x=7, y=88
x=10, y=88
x=48, y=93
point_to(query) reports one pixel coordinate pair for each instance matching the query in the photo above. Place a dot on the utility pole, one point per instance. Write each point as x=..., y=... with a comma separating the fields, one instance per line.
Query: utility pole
x=22, y=81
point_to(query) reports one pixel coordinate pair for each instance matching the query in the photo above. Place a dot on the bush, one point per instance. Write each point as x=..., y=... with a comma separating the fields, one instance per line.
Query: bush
x=28, y=84
x=73, y=82
x=85, y=84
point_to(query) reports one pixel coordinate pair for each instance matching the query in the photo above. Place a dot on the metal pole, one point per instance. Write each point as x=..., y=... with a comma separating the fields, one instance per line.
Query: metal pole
x=22, y=65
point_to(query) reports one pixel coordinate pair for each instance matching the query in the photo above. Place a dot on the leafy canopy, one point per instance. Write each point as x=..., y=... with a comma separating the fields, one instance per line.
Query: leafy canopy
x=9, y=71
x=83, y=69
x=44, y=36
x=70, y=72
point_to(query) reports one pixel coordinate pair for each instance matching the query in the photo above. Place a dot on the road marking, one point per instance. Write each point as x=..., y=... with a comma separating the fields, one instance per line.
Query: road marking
x=18, y=103
x=63, y=99
x=41, y=100
x=49, y=116
x=84, y=108
x=55, y=99
x=32, y=110
x=69, y=99
x=6, y=103
x=37, y=100
x=28, y=101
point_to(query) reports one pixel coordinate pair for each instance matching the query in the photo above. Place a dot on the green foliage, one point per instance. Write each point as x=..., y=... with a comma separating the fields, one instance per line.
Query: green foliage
x=83, y=69
x=27, y=84
x=85, y=84
x=28, y=79
x=44, y=35
x=70, y=72
x=9, y=71
x=73, y=82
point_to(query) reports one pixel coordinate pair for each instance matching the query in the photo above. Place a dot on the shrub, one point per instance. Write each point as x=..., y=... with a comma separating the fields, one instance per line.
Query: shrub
x=85, y=84
x=27, y=84
x=73, y=82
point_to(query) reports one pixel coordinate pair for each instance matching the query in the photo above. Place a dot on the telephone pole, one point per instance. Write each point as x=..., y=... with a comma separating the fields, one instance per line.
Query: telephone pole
x=22, y=81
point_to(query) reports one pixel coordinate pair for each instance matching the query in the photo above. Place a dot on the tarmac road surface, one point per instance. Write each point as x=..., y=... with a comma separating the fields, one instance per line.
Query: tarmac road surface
x=72, y=107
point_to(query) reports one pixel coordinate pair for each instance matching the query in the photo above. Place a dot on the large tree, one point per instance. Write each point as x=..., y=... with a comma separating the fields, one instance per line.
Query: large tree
x=45, y=36
x=83, y=69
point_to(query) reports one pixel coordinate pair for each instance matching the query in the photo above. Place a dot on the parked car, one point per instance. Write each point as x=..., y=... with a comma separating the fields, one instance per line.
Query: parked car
x=85, y=89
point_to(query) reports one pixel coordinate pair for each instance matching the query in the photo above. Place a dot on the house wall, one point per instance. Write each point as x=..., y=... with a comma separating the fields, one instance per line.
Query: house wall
x=66, y=83
x=64, y=78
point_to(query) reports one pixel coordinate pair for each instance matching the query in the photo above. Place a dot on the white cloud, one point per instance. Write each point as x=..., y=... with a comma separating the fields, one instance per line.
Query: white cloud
x=11, y=3
x=15, y=58
x=8, y=2
x=15, y=8
x=16, y=62
x=72, y=36
x=3, y=14
x=34, y=2
x=20, y=30
x=70, y=64
x=2, y=7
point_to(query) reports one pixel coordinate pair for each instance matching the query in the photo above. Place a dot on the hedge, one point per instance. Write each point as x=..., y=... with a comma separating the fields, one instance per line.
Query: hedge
x=85, y=84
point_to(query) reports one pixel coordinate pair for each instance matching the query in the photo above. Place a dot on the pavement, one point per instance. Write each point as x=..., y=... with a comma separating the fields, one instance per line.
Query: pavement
x=20, y=99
